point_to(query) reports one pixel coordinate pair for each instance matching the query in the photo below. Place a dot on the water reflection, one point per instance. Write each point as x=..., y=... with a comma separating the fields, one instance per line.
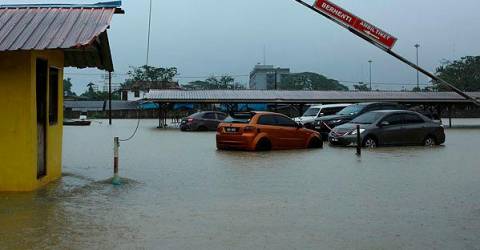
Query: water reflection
x=181, y=193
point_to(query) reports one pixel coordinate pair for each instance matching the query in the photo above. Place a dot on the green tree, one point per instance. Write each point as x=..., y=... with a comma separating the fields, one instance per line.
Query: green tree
x=463, y=74
x=93, y=95
x=67, y=87
x=147, y=73
x=361, y=86
x=309, y=81
x=213, y=82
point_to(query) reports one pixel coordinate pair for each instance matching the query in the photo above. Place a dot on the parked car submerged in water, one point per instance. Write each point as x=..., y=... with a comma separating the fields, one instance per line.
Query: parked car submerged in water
x=202, y=121
x=317, y=111
x=264, y=131
x=326, y=123
x=389, y=128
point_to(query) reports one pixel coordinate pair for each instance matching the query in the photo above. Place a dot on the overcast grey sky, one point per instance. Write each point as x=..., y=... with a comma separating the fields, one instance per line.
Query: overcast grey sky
x=205, y=37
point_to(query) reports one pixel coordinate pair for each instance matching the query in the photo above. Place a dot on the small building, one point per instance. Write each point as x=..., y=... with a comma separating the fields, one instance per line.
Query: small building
x=36, y=43
x=266, y=77
x=137, y=90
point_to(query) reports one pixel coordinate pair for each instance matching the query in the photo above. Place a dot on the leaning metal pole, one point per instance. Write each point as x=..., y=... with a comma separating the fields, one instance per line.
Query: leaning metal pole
x=437, y=80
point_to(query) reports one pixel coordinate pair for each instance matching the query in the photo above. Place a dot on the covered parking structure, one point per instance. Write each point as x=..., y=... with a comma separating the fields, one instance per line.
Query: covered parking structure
x=440, y=101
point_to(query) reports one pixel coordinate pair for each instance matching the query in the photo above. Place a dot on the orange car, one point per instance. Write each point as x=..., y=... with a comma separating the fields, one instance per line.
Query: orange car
x=264, y=131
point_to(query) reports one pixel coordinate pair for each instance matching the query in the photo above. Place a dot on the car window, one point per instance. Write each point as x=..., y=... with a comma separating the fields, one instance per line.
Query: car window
x=284, y=121
x=413, y=119
x=311, y=112
x=352, y=110
x=389, y=107
x=330, y=111
x=396, y=119
x=371, y=108
x=210, y=116
x=266, y=120
x=221, y=116
x=367, y=118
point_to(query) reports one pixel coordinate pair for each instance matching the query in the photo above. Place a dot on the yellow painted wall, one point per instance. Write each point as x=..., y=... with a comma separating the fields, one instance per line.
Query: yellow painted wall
x=18, y=126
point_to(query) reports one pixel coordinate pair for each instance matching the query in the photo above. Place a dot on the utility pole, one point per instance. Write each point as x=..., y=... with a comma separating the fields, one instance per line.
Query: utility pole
x=370, y=62
x=418, y=72
x=149, y=31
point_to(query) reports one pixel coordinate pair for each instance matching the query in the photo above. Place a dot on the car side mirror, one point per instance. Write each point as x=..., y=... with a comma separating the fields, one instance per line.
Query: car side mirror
x=384, y=123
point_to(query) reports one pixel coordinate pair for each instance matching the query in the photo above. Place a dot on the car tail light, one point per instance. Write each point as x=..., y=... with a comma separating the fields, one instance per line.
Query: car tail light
x=249, y=129
x=219, y=129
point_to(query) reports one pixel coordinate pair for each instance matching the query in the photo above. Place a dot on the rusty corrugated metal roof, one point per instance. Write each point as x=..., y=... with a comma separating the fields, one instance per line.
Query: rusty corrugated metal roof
x=79, y=30
x=279, y=96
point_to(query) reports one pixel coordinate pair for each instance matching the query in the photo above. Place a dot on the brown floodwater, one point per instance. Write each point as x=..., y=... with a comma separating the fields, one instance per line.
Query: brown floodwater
x=179, y=192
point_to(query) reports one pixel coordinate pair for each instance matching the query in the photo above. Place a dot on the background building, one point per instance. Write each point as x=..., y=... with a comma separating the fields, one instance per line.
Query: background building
x=264, y=76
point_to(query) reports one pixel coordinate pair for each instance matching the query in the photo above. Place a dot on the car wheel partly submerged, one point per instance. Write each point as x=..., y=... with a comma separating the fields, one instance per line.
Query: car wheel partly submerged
x=202, y=129
x=315, y=143
x=429, y=141
x=369, y=142
x=263, y=145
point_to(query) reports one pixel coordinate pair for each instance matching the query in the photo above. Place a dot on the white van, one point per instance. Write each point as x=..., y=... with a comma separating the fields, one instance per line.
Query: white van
x=316, y=111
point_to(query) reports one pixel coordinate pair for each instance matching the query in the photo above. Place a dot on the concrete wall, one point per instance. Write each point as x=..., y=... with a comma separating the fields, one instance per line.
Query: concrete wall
x=18, y=129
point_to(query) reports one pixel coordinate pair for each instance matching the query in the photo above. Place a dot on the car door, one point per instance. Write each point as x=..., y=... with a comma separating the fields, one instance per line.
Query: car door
x=290, y=136
x=391, y=132
x=266, y=124
x=210, y=120
x=414, y=129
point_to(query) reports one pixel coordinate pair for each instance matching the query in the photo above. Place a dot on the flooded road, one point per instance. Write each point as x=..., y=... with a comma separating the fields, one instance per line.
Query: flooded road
x=181, y=193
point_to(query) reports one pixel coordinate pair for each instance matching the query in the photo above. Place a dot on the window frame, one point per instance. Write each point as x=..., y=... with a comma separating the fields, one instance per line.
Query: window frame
x=277, y=121
x=420, y=120
x=402, y=121
x=214, y=116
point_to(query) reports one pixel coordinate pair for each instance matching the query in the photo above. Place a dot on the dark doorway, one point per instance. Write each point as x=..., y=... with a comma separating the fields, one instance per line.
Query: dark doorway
x=41, y=88
x=53, y=97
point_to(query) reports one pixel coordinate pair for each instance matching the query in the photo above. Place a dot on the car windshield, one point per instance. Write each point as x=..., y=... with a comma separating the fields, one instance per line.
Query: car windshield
x=239, y=118
x=351, y=110
x=367, y=118
x=311, y=112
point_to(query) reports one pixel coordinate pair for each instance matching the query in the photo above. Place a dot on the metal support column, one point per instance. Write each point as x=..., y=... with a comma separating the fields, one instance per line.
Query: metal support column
x=160, y=115
x=110, y=98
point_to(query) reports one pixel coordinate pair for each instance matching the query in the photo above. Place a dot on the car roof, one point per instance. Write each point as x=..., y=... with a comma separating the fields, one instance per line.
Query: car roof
x=374, y=103
x=331, y=105
x=394, y=111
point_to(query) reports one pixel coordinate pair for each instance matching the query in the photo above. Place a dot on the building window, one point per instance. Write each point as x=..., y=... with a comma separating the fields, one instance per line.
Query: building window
x=137, y=93
x=53, y=96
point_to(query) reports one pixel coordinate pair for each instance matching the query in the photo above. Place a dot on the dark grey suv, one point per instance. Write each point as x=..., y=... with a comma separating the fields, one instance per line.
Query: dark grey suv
x=389, y=127
x=202, y=121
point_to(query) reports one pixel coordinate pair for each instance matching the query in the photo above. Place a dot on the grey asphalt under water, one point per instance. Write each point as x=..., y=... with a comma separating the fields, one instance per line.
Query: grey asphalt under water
x=181, y=193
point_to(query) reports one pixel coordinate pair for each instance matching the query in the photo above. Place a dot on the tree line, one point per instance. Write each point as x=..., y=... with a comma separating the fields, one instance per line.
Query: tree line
x=463, y=73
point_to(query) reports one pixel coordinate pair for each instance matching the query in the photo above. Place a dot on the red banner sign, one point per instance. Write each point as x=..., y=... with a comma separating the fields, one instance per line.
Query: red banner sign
x=346, y=18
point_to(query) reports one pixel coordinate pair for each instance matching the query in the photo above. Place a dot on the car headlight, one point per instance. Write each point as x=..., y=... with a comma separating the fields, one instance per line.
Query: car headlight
x=336, y=121
x=354, y=132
